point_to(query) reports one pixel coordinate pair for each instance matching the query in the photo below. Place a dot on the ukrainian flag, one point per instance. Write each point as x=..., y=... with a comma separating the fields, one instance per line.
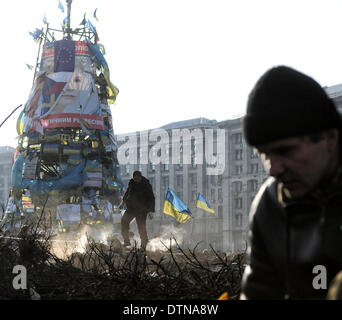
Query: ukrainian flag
x=175, y=207
x=203, y=204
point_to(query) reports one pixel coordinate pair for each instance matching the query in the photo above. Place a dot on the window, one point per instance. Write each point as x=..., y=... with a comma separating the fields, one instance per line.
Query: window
x=152, y=167
x=238, y=169
x=238, y=220
x=219, y=181
x=237, y=186
x=193, y=164
x=179, y=181
x=220, y=195
x=127, y=170
x=252, y=185
x=193, y=146
x=194, y=196
x=237, y=138
x=254, y=168
x=212, y=195
x=165, y=182
x=180, y=165
x=238, y=154
x=238, y=203
x=193, y=179
x=213, y=180
x=219, y=211
x=165, y=167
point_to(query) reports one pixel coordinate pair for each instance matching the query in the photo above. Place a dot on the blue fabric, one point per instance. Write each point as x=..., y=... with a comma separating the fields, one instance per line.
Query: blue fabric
x=202, y=199
x=64, y=56
x=60, y=6
x=36, y=34
x=72, y=178
x=95, y=49
x=176, y=202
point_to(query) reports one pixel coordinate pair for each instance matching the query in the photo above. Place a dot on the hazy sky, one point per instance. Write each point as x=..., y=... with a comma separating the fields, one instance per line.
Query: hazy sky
x=179, y=59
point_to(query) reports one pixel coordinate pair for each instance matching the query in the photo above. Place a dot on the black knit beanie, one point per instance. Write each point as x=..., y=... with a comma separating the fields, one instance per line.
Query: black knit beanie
x=285, y=103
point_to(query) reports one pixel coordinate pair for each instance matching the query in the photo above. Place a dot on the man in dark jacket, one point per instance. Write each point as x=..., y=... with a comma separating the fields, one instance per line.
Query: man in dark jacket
x=139, y=200
x=296, y=218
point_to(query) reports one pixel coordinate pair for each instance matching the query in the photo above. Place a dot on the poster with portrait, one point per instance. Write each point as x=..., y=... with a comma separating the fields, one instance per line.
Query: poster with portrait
x=68, y=82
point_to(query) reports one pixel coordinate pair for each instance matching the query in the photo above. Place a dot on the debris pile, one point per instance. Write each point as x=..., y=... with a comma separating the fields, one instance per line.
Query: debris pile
x=109, y=272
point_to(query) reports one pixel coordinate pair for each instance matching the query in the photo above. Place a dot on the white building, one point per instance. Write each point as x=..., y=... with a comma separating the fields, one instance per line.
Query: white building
x=229, y=193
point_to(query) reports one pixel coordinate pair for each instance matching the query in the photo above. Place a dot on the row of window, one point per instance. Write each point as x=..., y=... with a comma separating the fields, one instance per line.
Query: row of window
x=238, y=155
x=168, y=152
x=152, y=168
x=238, y=203
x=237, y=140
x=252, y=186
x=252, y=169
x=238, y=170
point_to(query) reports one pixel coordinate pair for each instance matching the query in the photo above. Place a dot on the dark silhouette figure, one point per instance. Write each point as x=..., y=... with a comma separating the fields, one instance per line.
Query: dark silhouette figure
x=139, y=200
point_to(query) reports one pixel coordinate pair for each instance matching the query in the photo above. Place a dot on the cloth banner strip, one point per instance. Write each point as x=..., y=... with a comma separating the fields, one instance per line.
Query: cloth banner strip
x=72, y=120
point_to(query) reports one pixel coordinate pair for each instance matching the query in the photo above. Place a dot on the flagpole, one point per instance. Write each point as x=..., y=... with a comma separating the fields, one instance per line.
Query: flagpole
x=69, y=2
x=37, y=61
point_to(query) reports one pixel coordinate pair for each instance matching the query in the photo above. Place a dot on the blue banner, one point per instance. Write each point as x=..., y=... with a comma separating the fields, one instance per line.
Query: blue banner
x=64, y=56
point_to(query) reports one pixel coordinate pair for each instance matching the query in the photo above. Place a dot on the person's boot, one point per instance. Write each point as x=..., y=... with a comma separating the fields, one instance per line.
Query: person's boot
x=143, y=246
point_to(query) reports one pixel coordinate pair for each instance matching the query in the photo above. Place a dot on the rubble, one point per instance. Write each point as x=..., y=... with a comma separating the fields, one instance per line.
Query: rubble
x=107, y=272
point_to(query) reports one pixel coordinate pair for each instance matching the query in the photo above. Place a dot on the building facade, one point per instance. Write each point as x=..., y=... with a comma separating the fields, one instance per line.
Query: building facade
x=229, y=192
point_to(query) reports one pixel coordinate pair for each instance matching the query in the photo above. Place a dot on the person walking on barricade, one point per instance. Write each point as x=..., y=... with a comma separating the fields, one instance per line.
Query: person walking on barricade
x=140, y=201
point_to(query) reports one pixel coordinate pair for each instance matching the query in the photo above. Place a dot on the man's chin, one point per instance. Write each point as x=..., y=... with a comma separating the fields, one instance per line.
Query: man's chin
x=295, y=193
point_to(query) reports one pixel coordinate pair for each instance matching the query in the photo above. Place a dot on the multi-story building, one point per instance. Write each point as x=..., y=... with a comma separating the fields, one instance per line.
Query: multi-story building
x=6, y=159
x=230, y=191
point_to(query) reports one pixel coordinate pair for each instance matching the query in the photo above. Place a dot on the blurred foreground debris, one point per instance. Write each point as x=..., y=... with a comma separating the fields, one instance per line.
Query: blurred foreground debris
x=108, y=271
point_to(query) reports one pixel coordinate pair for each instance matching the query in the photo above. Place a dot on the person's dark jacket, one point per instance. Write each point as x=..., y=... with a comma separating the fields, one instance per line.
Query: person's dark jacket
x=288, y=239
x=139, y=197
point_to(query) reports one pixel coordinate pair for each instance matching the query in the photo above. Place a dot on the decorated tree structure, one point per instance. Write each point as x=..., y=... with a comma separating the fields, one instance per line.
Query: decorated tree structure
x=65, y=164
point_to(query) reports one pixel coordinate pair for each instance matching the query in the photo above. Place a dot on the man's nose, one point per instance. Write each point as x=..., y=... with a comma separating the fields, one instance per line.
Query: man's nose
x=277, y=166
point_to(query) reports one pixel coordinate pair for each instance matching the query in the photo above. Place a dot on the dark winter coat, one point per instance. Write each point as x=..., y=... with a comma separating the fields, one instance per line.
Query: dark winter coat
x=139, y=197
x=288, y=239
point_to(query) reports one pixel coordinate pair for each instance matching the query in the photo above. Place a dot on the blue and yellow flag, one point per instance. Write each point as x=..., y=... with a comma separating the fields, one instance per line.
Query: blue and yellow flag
x=60, y=6
x=203, y=204
x=65, y=22
x=175, y=207
x=36, y=35
x=112, y=90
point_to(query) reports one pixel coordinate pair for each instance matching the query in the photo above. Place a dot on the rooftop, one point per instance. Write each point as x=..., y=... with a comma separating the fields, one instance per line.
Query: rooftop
x=334, y=91
x=189, y=123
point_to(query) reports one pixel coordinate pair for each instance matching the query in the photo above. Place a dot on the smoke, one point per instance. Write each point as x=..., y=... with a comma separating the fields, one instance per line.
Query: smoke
x=169, y=236
x=64, y=248
x=64, y=245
